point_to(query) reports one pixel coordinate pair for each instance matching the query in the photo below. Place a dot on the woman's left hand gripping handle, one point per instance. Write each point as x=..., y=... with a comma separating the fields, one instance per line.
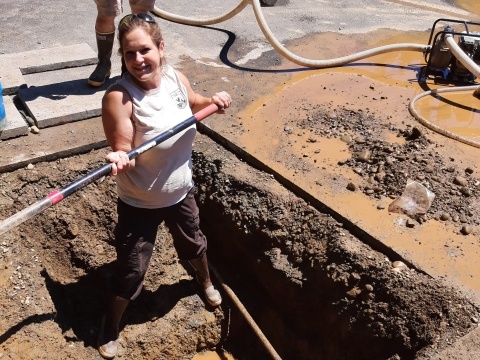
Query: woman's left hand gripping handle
x=223, y=100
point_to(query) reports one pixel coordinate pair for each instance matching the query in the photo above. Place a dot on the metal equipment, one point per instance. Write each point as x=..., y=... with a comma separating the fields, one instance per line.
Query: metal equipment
x=442, y=65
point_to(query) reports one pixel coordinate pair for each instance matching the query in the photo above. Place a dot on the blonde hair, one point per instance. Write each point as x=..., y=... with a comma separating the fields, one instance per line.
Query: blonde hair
x=130, y=23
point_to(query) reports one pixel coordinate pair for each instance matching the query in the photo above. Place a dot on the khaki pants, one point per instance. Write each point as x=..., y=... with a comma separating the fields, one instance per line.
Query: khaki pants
x=115, y=7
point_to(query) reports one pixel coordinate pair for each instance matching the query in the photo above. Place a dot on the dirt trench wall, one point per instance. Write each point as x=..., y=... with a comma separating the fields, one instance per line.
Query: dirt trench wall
x=330, y=295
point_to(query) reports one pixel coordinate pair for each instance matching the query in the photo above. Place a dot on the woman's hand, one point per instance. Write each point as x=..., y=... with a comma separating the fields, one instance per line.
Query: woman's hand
x=223, y=100
x=120, y=162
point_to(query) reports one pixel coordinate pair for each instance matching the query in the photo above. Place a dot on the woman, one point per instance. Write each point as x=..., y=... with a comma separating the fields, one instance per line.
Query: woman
x=149, y=99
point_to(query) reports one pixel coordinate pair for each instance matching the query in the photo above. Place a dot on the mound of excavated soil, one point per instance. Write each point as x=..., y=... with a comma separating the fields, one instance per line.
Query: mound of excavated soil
x=316, y=290
x=385, y=167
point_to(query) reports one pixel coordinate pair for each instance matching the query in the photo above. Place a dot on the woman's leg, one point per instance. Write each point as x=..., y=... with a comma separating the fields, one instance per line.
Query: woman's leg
x=135, y=235
x=184, y=223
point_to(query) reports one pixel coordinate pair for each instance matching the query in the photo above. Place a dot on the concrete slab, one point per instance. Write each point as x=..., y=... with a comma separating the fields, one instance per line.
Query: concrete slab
x=52, y=143
x=16, y=125
x=13, y=66
x=62, y=96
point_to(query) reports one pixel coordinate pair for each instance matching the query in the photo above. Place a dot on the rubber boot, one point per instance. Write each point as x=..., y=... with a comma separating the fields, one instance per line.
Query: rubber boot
x=203, y=277
x=109, y=336
x=104, y=66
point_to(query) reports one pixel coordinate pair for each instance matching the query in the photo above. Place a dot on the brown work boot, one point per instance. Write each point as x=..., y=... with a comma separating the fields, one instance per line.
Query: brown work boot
x=104, y=65
x=203, y=278
x=108, y=336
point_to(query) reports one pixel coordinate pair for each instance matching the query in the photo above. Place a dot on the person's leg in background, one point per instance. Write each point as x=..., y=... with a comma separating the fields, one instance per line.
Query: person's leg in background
x=107, y=10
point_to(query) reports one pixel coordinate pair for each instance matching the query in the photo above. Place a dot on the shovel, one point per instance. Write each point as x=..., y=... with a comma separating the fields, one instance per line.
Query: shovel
x=58, y=195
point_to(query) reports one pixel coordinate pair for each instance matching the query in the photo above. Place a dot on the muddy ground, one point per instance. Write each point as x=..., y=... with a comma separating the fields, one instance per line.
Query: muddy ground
x=316, y=290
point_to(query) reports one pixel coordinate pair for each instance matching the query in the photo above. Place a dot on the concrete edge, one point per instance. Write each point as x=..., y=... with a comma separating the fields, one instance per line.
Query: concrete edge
x=53, y=156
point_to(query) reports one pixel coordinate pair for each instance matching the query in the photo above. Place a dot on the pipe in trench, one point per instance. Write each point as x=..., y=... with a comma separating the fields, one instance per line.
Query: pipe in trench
x=246, y=315
x=321, y=64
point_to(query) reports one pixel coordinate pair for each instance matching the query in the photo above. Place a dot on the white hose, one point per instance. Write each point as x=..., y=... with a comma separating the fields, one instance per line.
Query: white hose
x=320, y=64
x=438, y=129
x=461, y=56
x=199, y=22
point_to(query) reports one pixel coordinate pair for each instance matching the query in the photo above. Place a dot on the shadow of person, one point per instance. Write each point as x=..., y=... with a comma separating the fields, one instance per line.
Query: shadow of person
x=81, y=305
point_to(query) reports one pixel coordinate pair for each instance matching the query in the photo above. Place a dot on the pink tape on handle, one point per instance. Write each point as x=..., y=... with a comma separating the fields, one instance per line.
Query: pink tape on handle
x=55, y=197
x=209, y=110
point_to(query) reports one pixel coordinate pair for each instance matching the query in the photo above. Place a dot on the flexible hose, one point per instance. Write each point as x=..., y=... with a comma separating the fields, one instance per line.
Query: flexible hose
x=320, y=64
x=199, y=22
x=461, y=56
x=438, y=129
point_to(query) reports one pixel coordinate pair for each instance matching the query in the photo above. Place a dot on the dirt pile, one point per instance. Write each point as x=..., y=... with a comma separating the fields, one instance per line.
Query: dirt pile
x=385, y=167
x=330, y=295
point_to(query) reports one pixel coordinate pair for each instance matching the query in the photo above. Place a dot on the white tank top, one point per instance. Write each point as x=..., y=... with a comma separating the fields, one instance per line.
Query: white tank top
x=162, y=176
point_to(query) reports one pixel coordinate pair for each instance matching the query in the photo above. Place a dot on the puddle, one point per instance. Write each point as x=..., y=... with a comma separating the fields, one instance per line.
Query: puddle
x=470, y=5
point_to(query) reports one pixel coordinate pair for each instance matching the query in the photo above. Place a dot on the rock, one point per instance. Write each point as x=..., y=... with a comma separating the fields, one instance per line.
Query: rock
x=420, y=177
x=331, y=115
x=342, y=162
x=463, y=219
x=397, y=270
x=445, y=216
x=359, y=139
x=351, y=186
x=358, y=171
x=399, y=265
x=474, y=319
x=73, y=230
x=455, y=217
x=34, y=130
x=429, y=169
x=346, y=139
x=354, y=292
x=287, y=129
x=469, y=170
x=460, y=181
x=410, y=223
x=465, y=191
x=369, y=191
x=467, y=229
x=380, y=176
x=365, y=155
x=30, y=166
x=416, y=133
x=374, y=170
x=368, y=287
x=380, y=207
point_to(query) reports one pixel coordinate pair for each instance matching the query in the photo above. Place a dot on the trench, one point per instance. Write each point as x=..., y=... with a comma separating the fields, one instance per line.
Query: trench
x=316, y=290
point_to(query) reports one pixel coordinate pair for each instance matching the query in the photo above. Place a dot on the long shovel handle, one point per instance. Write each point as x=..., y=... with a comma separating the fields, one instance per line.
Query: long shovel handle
x=58, y=195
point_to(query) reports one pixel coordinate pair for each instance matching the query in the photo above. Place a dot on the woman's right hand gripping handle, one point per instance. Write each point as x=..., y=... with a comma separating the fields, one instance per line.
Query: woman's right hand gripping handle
x=120, y=162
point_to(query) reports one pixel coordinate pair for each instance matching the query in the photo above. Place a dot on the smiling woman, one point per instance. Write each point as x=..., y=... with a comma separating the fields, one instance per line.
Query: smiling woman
x=150, y=98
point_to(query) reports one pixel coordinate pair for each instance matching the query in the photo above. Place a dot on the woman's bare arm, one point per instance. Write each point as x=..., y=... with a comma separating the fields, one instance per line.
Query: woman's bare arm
x=118, y=128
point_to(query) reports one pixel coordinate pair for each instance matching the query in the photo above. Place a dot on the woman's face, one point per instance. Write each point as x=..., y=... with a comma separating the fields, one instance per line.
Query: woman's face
x=141, y=55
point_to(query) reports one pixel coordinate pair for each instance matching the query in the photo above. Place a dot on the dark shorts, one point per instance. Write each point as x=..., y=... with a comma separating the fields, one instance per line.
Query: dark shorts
x=135, y=235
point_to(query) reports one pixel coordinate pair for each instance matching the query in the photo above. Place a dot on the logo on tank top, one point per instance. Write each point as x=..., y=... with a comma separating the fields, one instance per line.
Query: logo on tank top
x=179, y=98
